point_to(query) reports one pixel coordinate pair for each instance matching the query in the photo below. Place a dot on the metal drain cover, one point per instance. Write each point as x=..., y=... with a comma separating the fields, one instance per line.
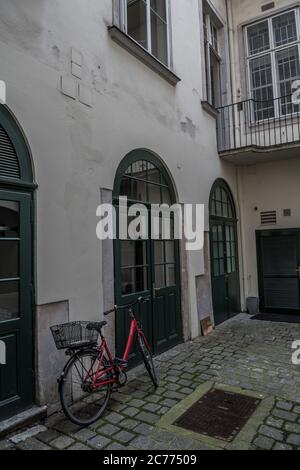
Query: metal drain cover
x=219, y=414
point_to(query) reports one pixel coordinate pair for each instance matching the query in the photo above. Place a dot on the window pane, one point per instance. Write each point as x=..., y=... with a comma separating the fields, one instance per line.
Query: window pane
x=126, y=187
x=159, y=255
x=284, y=28
x=139, y=170
x=262, y=87
x=9, y=300
x=139, y=191
x=170, y=252
x=134, y=280
x=9, y=259
x=133, y=253
x=166, y=196
x=214, y=37
x=215, y=79
x=160, y=276
x=159, y=7
x=9, y=219
x=170, y=275
x=258, y=38
x=153, y=174
x=137, y=21
x=159, y=37
x=288, y=70
x=154, y=194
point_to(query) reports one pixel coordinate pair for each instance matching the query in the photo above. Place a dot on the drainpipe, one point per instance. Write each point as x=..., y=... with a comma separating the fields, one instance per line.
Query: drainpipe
x=240, y=198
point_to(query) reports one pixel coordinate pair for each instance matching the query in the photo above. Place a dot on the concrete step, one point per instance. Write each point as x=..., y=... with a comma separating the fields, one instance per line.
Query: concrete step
x=22, y=420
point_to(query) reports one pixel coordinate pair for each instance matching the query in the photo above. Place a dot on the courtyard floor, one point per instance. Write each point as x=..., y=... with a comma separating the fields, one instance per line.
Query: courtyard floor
x=242, y=355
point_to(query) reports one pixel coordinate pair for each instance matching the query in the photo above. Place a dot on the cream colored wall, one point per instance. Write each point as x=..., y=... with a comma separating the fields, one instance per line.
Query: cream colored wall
x=267, y=187
x=77, y=149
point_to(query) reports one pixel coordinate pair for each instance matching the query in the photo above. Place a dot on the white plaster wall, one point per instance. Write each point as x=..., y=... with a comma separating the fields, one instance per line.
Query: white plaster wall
x=76, y=149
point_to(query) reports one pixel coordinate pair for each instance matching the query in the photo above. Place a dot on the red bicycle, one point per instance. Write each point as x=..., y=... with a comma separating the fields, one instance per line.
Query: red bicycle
x=87, y=381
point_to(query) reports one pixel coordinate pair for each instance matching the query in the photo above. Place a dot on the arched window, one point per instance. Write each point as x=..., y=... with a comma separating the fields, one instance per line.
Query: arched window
x=221, y=201
x=146, y=182
x=15, y=161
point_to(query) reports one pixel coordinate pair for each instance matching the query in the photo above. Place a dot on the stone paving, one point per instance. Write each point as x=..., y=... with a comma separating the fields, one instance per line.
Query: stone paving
x=251, y=355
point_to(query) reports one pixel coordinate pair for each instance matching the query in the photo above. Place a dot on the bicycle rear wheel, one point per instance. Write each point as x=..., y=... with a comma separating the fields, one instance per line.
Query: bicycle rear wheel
x=148, y=359
x=80, y=403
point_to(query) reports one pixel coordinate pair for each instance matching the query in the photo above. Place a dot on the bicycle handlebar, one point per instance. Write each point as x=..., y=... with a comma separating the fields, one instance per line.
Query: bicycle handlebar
x=140, y=300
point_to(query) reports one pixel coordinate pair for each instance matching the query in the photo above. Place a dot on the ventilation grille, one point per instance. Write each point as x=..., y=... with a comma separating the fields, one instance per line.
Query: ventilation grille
x=268, y=218
x=9, y=164
x=268, y=6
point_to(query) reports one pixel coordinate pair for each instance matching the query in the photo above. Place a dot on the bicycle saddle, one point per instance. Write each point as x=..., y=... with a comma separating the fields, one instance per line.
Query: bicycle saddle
x=97, y=326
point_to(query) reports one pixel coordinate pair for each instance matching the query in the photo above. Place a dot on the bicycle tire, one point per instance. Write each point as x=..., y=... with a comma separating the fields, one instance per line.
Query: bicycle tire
x=147, y=359
x=64, y=393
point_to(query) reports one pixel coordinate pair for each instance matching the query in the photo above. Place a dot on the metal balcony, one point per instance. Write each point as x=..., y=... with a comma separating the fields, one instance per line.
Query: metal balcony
x=258, y=131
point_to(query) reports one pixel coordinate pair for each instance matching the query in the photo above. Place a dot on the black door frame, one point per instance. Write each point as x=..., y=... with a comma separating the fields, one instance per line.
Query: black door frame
x=145, y=311
x=260, y=276
x=22, y=188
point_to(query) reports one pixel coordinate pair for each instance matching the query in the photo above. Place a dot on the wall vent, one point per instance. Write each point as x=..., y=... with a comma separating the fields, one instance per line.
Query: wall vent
x=9, y=163
x=268, y=6
x=268, y=218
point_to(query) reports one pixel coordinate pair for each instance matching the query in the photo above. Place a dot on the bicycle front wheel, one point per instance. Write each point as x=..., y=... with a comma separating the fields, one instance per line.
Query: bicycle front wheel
x=148, y=359
x=80, y=403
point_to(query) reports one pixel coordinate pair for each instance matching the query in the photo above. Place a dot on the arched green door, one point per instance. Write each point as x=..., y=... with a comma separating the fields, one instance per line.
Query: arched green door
x=224, y=253
x=16, y=290
x=149, y=267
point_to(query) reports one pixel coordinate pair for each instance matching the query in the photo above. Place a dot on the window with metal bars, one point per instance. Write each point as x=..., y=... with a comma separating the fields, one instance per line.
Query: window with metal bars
x=273, y=64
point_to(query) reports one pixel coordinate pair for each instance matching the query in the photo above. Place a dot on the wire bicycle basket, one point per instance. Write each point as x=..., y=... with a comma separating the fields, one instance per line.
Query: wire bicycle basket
x=74, y=335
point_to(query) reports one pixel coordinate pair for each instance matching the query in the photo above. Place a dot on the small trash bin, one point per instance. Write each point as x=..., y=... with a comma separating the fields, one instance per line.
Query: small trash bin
x=253, y=305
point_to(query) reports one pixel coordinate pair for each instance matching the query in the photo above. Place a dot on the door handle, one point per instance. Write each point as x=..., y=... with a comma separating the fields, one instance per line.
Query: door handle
x=298, y=271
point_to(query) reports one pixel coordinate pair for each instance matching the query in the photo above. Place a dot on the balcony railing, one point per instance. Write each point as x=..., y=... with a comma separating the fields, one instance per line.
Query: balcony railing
x=258, y=124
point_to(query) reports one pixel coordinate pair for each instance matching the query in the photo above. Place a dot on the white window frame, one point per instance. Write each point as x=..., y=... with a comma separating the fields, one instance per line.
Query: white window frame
x=272, y=53
x=124, y=24
x=209, y=47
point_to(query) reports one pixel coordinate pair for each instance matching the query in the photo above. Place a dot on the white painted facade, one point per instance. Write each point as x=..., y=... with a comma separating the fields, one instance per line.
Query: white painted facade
x=119, y=104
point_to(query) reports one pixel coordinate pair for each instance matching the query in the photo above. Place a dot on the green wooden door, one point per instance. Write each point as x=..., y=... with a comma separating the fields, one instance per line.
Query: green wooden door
x=16, y=375
x=224, y=254
x=148, y=268
x=278, y=253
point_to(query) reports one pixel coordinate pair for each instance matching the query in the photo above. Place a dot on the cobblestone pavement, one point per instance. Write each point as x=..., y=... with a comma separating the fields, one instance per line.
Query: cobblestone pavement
x=250, y=355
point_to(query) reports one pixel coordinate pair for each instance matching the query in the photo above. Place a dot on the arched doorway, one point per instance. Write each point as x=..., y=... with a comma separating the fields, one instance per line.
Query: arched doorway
x=147, y=267
x=16, y=288
x=224, y=253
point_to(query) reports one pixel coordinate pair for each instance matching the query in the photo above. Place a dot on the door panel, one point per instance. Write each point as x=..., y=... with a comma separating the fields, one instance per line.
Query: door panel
x=149, y=268
x=16, y=388
x=278, y=254
x=224, y=267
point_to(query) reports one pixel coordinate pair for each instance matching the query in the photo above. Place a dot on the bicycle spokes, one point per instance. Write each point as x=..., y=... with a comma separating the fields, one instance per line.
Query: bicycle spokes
x=82, y=396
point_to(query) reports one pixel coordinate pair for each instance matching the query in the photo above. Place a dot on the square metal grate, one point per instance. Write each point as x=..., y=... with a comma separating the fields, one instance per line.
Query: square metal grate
x=219, y=414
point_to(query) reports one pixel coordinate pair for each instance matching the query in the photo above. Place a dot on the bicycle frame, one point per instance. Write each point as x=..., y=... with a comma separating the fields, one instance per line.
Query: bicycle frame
x=104, y=351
